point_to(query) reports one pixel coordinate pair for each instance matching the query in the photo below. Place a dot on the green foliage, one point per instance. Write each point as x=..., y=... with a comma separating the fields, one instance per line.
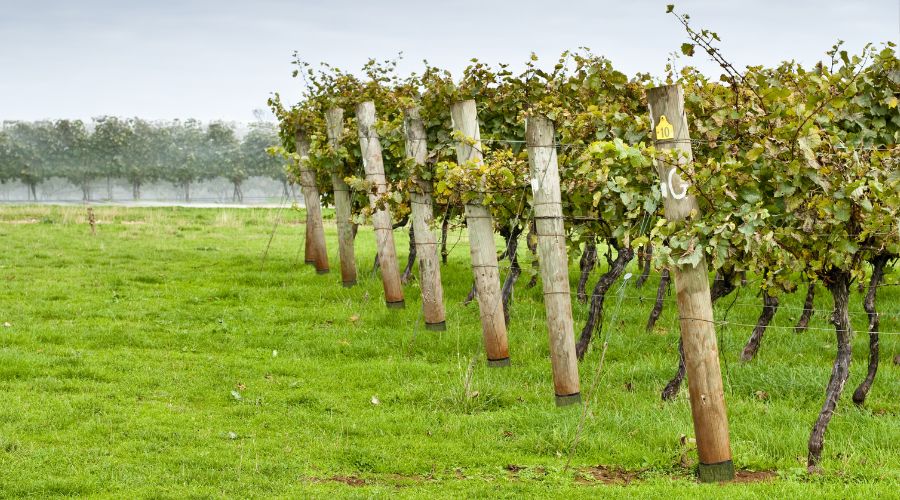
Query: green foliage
x=798, y=167
x=794, y=168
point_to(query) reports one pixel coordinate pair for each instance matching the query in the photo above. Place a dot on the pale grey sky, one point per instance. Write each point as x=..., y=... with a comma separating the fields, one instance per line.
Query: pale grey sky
x=221, y=59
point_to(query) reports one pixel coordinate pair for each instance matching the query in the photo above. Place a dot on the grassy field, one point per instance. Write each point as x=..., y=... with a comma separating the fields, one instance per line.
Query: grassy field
x=164, y=357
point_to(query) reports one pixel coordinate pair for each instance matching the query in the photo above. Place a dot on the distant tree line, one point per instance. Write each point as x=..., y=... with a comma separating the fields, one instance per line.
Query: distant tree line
x=137, y=151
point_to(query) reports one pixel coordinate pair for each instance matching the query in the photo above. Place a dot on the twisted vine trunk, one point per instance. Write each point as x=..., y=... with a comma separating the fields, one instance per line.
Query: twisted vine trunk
x=512, y=246
x=445, y=228
x=839, y=286
x=722, y=286
x=531, y=242
x=671, y=389
x=803, y=322
x=878, y=265
x=595, y=313
x=648, y=261
x=770, y=307
x=664, y=281
x=587, y=263
x=411, y=259
x=472, y=294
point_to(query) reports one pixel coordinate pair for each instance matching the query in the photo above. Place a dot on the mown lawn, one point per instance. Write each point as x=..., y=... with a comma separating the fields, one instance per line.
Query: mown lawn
x=164, y=357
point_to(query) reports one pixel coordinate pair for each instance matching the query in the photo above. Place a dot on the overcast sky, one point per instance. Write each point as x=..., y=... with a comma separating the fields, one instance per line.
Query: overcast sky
x=221, y=59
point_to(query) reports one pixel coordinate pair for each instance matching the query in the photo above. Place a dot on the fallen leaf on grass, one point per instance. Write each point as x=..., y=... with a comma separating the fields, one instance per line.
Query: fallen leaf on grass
x=7, y=324
x=762, y=395
x=354, y=318
x=375, y=400
x=236, y=395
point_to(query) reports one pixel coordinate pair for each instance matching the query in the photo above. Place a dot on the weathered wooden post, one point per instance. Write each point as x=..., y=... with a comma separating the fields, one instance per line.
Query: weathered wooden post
x=370, y=146
x=481, y=241
x=315, y=230
x=551, y=235
x=334, y=124
x=698, y=333
x=422, y=214
x=309, y=253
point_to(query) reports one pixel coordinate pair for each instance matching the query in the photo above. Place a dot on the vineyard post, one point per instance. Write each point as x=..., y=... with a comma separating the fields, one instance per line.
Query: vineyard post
x=334, y=122
x=698, y=333
x=370, y=146
x=481, y=241
x=315, y=230
x=422, y=213
x=309, y=253
x=554, y=263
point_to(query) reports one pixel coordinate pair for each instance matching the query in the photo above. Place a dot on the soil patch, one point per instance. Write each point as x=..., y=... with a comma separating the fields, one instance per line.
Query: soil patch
x=348, y=480
x=754, y=476
x=607, y=475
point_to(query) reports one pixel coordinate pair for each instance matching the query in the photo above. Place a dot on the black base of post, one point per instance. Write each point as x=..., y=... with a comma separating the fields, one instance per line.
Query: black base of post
x=322, y=271
x=498, y=363
x=716, y=473
x=571, y=399
x=436, y=327
x=401, y=304
x=348, y=284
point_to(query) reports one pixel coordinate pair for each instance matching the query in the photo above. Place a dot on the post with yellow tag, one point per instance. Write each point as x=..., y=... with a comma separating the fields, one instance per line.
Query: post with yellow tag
x=698, y=333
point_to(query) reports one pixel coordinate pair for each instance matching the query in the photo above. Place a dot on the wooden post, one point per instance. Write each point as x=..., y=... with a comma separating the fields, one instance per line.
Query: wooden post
x=309, y=253
x=370, y=146
x=481, y=242
x=334, y=124
x=422, y=214
x=698, y=333
x=551, y=235
x=315, y=230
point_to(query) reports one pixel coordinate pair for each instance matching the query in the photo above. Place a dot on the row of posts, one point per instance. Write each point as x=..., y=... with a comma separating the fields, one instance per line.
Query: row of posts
x=692, y=283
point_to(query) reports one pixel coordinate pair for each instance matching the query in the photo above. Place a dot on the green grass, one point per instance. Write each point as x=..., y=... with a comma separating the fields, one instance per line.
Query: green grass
x=142, y=362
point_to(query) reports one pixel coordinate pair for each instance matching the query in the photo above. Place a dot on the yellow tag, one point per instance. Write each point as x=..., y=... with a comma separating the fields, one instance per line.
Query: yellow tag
x=664, y=129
